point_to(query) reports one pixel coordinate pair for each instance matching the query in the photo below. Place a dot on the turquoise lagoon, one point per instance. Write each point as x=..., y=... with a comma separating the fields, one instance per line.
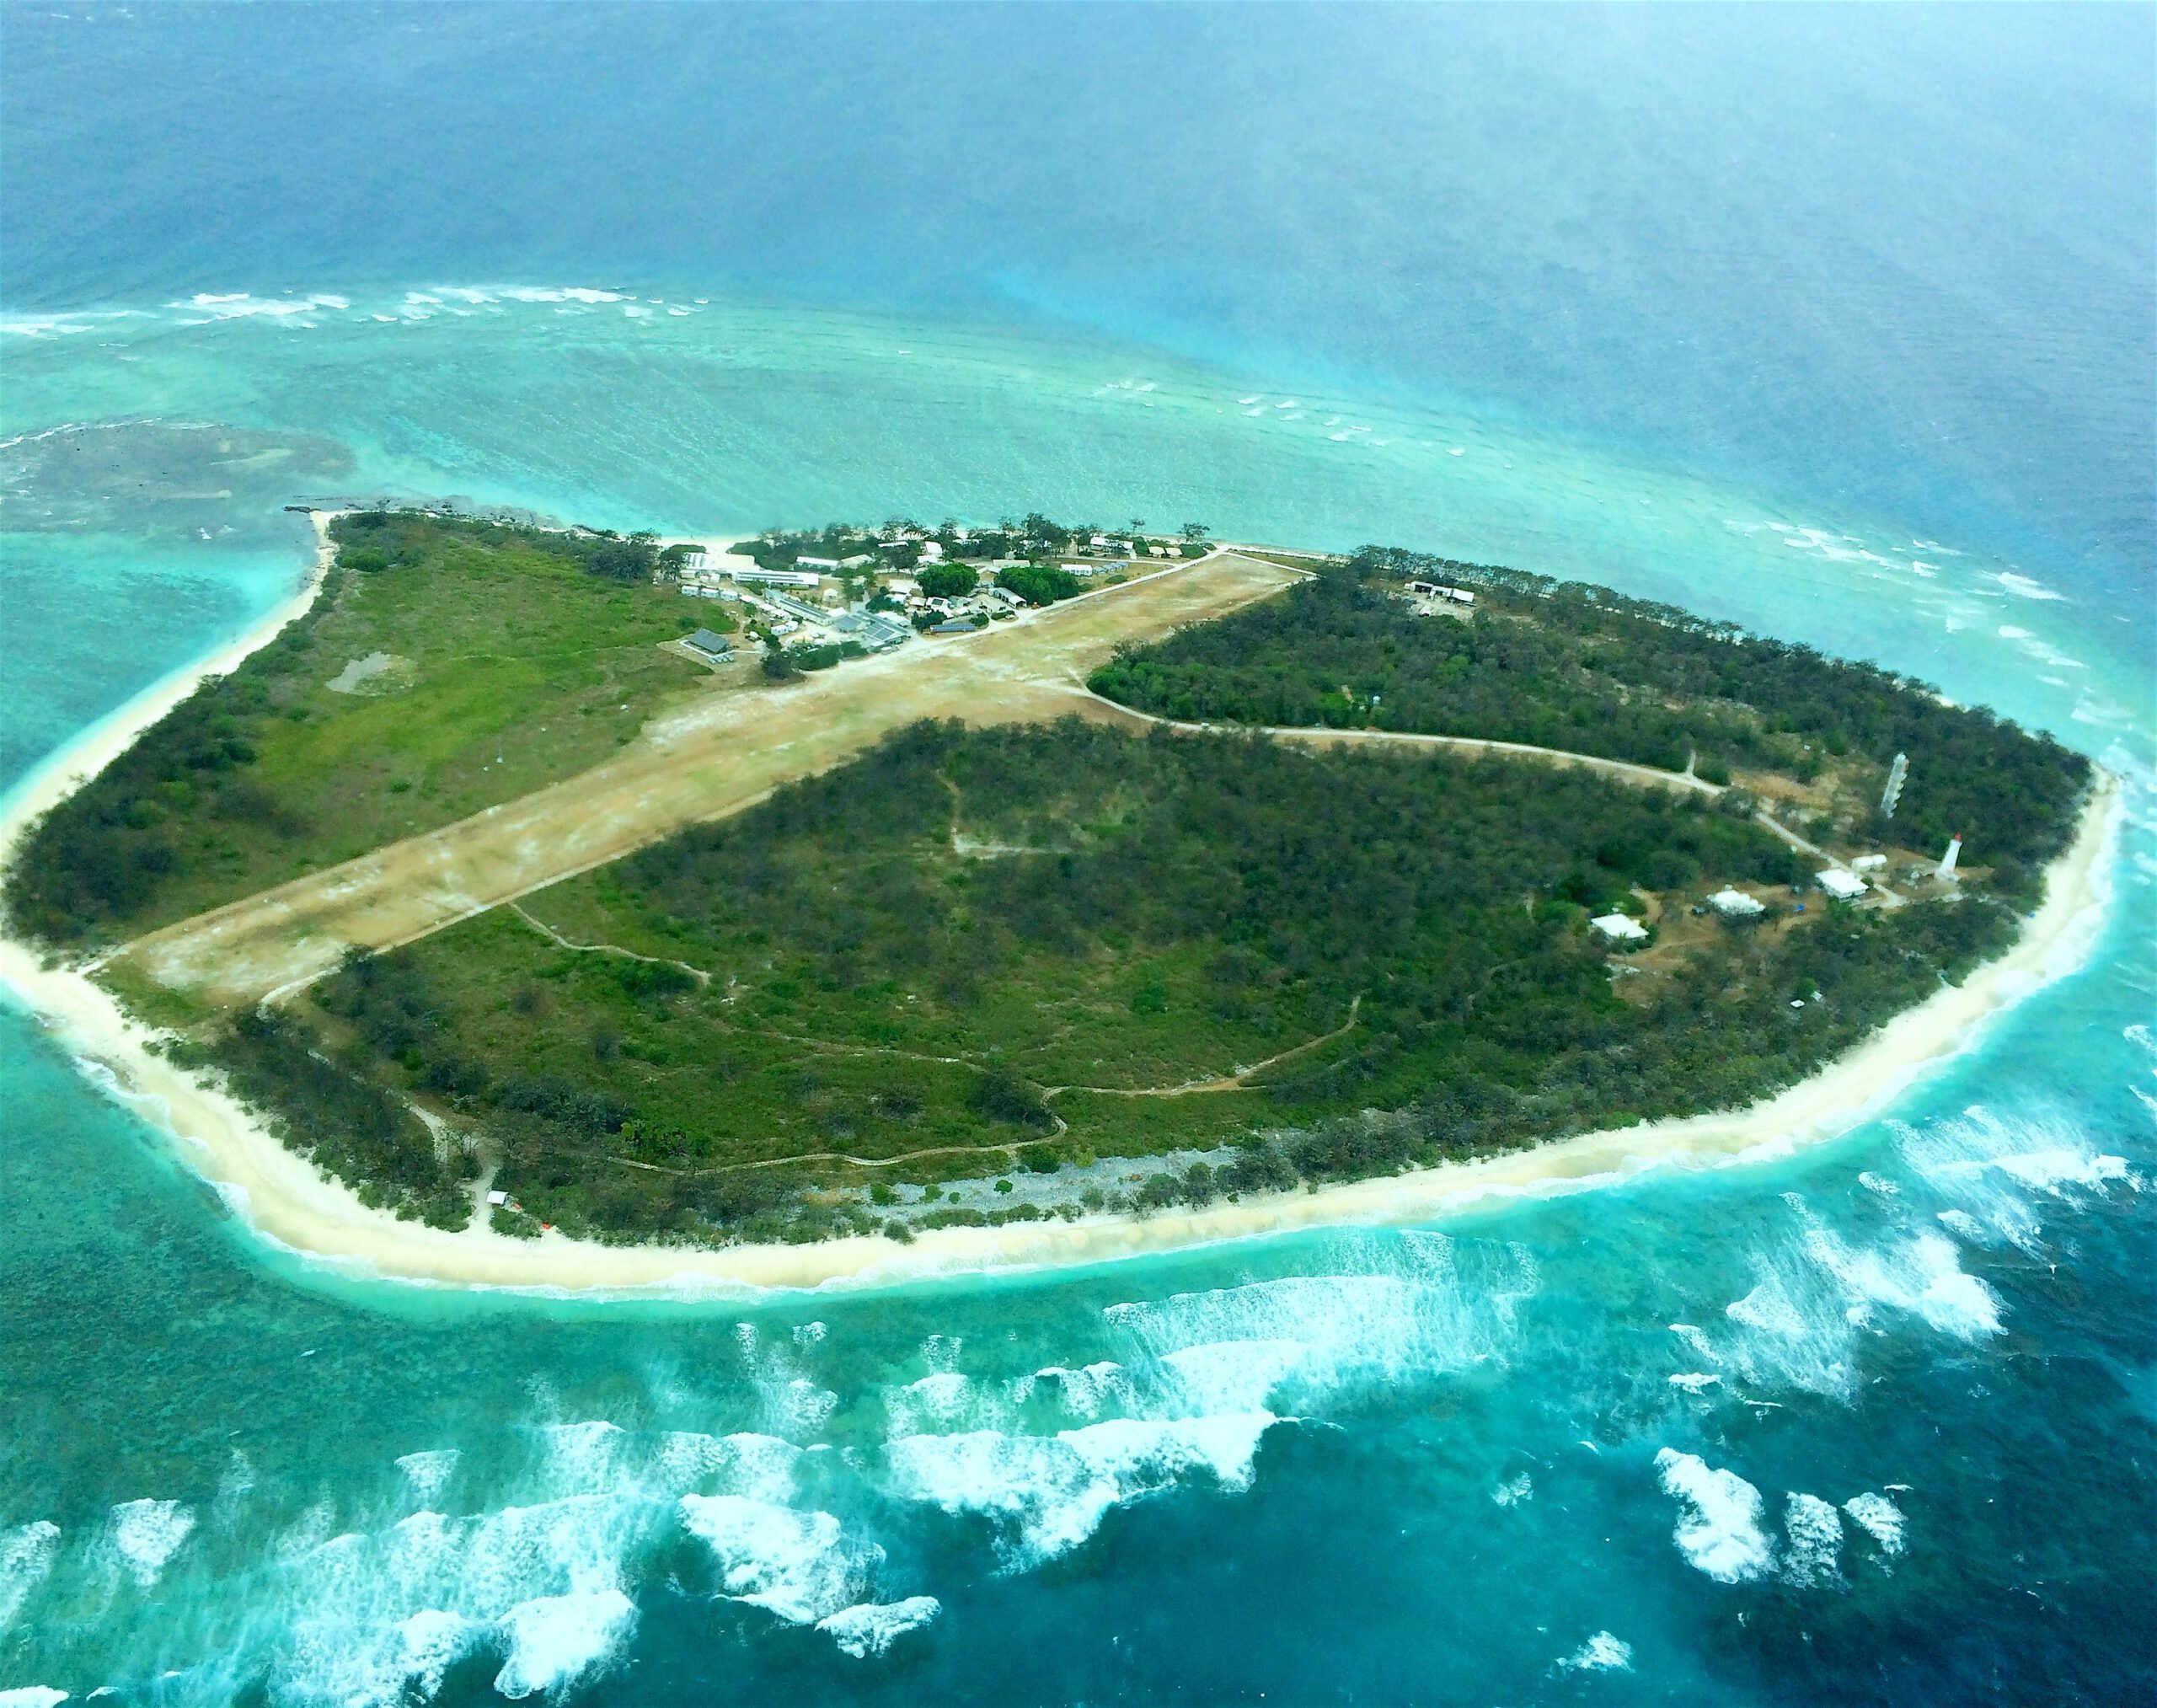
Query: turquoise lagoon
x=1629, y=299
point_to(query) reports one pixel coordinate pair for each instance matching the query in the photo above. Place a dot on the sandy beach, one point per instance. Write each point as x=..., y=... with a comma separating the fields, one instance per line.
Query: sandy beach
x=288, y=1203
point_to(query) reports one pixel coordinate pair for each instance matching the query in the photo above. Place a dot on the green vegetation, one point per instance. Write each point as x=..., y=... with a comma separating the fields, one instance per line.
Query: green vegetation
x=947, y=580
x=976, y=955
x=1041, y=584
x=1569, y=666
x=965, y=943
x=446, y=666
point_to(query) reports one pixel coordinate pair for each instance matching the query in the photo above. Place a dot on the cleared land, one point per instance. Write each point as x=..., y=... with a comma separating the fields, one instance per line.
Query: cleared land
x=704, y=760
x=473, y=669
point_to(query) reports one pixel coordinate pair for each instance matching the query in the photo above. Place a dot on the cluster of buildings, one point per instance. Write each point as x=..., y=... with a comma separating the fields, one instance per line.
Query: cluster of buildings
x=1735, y=905
x=806, y=603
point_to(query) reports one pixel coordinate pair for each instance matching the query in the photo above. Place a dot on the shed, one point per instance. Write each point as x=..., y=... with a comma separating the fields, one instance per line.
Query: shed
x=1735, y=904
x=1620, y=927
x=710, y=645
x=1844, y=887
x=956, y=625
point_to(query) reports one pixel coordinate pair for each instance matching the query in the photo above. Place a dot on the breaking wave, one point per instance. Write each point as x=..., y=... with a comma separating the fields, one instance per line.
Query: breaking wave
x=1718, y=1517
x=1047, y=1494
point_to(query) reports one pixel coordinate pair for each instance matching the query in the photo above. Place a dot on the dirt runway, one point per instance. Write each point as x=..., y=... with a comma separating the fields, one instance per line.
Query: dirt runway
x=701, y=762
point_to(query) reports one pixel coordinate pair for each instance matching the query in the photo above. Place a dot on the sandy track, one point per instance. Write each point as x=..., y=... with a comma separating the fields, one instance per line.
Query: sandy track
x=701, y=762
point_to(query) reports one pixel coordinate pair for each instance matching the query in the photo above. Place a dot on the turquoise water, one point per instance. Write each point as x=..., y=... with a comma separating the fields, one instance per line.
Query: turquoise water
x=1873, y=1421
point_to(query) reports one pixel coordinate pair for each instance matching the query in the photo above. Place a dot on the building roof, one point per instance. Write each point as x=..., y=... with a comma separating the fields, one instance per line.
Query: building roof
x=706, y=641
x=1620, y=927
x=957, y=625
x=1844, y=887
x=1736, y=903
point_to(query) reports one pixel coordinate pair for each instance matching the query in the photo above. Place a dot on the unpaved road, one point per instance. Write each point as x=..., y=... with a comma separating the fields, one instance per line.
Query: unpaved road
x=703, y=762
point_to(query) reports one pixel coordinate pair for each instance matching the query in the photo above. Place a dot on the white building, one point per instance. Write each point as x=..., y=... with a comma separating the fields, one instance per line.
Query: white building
x=1620, y=927
x=1844, y=887
x=777, y=578
x=829, y=566
x=1946, y=872
x=1869, y=863
x=1735, y=904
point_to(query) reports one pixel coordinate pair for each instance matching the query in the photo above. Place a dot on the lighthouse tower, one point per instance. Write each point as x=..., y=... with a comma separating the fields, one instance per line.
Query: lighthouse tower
x=1946, y=872
x=1897, y=774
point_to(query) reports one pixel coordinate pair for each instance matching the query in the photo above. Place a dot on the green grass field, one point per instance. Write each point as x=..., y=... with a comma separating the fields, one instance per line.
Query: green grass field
x=478, y=668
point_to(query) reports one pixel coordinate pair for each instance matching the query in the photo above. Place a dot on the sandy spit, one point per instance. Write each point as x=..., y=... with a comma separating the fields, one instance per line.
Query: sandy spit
x=290, y=1204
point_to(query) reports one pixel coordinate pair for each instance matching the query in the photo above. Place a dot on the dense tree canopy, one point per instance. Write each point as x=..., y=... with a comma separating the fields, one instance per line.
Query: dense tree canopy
x=1569, y=666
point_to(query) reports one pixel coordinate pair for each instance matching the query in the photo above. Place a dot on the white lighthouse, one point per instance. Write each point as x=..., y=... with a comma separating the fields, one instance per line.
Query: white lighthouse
x=1946, y=872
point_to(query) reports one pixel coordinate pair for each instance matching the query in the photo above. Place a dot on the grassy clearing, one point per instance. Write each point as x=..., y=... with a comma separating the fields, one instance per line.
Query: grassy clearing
x=474, y=667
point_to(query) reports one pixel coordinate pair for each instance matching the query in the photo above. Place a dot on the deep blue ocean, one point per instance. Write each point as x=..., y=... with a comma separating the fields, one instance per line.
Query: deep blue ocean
x=1837, y=321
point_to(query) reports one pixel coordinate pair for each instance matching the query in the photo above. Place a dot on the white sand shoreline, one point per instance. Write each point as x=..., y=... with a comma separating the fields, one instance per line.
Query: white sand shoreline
x=285, y=1201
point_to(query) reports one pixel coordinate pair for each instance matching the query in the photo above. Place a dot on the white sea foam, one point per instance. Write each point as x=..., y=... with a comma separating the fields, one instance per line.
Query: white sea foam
x=2024, y=588
x=937, y=1400
x=1878, y=1183
x=2001, y=1170
x=871, y=1628
x=792, y=1563
x=1922, y=1276
x=428, y=1472
x=1232, y=1376
x=762, y=1465
x=1813, y=1542
x=584, y=1458
x=147, y=1534
x=1880, y=1518
x=31, y=1696
x=1084, y=1391
x=1781, y=1341
x=1962, y=1224
x=429, y=1644
x=555, y=1641
x=1050, y=1493
x=239, y=305
x=1601, y=1653
x=1695, y=1381
x=1719, y=1521
x=1512, y=1493
x=1409, y=1312
x=26, y=1556
x=374, y=1611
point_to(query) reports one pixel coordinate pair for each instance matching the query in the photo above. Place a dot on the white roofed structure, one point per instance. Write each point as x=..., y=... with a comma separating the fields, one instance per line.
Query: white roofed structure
x=1735, y=904
x=1620, y=927
x=1844, y=887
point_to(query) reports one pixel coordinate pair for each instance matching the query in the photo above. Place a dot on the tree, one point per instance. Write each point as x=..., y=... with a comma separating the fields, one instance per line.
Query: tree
x=947, y=581
x=1195, y=531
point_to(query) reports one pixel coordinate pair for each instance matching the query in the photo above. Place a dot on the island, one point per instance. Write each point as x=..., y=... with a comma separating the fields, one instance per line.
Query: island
x=546, y=890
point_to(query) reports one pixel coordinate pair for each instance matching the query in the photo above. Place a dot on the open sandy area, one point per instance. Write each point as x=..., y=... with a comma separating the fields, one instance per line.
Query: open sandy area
x=1033, y=672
